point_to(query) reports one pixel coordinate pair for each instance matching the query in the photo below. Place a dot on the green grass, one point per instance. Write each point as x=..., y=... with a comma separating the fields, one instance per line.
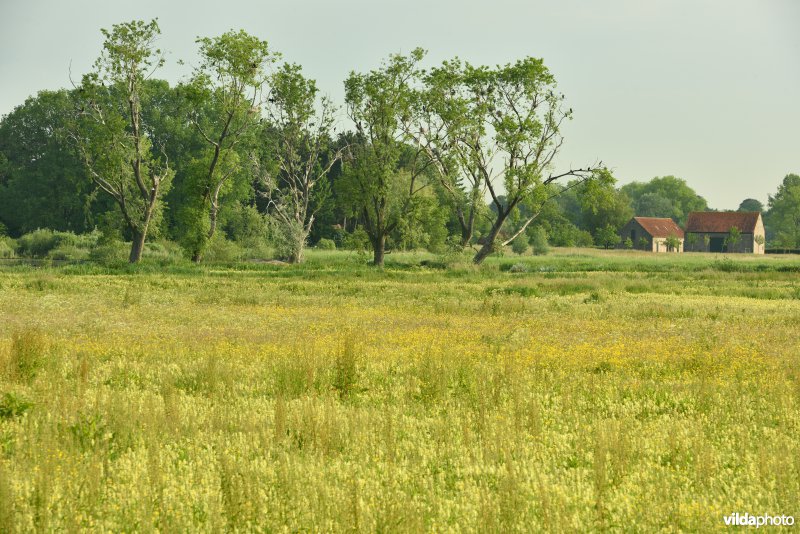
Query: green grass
x=589, y=391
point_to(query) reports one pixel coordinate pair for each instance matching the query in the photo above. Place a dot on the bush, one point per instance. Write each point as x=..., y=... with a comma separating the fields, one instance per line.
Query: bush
x=358, y=240
x=68, y=252
x=628, y=243
x=6, y=247
x=110, y=253
x=37, y=244
x=222, y=250
x=163, y=252
x=326, y=244
x=519, y=245
x=539, y=242
x=12, y=405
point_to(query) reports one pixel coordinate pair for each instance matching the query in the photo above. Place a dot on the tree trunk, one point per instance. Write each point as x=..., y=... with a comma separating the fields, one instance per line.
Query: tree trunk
x=378, y=247
x=214, y=211
x=197, y=256
x=137, y=246
x=488, y=245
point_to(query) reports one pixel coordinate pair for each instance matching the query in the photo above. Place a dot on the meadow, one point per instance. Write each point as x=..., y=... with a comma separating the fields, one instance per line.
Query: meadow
x=580, y=391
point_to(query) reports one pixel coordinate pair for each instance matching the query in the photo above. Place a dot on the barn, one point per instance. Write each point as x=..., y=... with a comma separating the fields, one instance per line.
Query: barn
x=711, y=231
x=651, y=234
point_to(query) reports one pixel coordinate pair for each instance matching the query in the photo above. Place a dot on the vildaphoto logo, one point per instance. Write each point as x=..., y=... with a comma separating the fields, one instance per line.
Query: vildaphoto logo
x=750, y=520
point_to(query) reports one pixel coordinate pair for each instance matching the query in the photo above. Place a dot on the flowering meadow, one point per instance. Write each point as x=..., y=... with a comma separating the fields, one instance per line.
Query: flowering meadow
x=594, y=391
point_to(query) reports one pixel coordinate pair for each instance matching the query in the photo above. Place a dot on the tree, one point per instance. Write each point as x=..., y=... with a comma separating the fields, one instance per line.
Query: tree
x=513, y=134
x=43, y=182
x=439, y=121
x=608, y=237
x=376, y=186
x=783, y=217
x=538, y=241
x=650, y=198
x=628, y=243
x=229, y=81
x=303, y=152
x=654, y=205
x=109, y=132
x=751, y=204
x=673, y=243
x=691, y=240
x=734, y=237
x=519, y=245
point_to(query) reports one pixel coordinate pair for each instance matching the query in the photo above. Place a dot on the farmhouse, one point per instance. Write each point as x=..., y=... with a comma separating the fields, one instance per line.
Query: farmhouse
x=651, y=233
x=708, y=231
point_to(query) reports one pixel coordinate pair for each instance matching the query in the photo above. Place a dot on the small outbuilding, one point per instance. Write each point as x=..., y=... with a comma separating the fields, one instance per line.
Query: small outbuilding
x=654, y=234
x=732, y=231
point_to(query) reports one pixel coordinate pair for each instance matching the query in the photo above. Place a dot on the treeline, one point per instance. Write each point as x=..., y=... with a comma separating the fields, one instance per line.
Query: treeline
x=246, y=157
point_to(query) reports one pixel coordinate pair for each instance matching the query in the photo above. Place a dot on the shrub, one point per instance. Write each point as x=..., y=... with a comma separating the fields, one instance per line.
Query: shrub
x=110, y=253
x=222, y=250
x=326, y=244
x=37, y=244
x=539, y=242
x=358, y=240
x=519, y=245
x=628, y=243
x=163, y=252
x=12, y=405
x=6, y=247
x=68, y=252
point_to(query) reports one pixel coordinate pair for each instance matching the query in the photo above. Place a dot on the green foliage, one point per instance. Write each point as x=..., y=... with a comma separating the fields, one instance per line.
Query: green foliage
x=222, y=250
x=326, y=244
x=783, y=218
x=519, y=245
x=607, y=237
x=109, y=253
x=644, y=243
x=43, y=183
x=222, y=102
x=673, y=243
x=734, y=237
x=628, y=243
x=538, y=241
x=751, y=204
x=7, y=247
x=357, y=240
x=666, y=196
x=12, y=405
x=110, y=132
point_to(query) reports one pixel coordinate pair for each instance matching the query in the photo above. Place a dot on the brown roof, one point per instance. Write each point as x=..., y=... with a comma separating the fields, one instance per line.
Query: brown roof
x=722, y=222
x=658, y=227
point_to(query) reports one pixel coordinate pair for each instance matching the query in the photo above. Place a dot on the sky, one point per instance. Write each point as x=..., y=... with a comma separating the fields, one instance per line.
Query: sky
x=705, y=90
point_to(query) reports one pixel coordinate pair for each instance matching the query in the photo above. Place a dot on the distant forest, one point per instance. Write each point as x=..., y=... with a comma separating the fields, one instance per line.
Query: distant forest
x=247, y=159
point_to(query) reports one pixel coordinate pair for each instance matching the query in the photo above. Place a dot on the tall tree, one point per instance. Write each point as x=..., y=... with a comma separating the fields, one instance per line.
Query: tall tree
x=229, y=83
x=303, y=152
x=43, y=183
x=783, y=217
x=751, y=204
x=109, y=131
x=440, y=122
x=512, y=138
x=378, y=189
x=651, y=198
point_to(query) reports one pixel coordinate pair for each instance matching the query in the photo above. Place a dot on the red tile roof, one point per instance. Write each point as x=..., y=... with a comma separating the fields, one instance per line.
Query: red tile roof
x=722, y=222
x=658, y=227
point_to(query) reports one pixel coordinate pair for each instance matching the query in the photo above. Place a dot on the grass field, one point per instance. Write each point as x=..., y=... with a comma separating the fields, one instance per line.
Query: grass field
x=582, y=391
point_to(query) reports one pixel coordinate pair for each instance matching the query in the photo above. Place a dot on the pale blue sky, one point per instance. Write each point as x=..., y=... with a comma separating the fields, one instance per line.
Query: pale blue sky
x=707, y=90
